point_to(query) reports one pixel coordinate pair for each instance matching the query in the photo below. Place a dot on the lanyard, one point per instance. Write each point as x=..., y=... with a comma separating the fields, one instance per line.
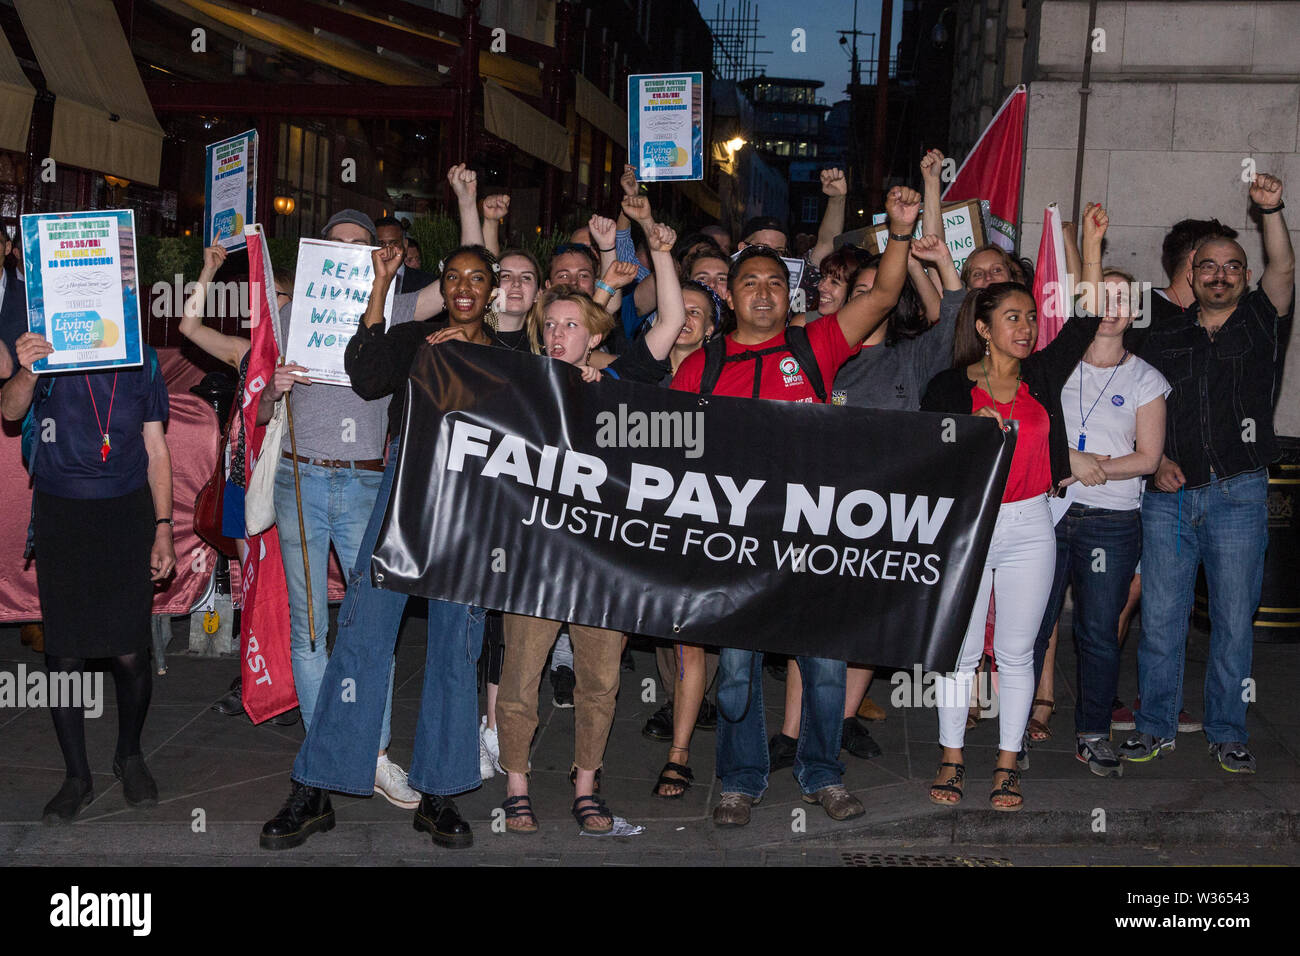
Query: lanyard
x=104, y=448
x=1011, y=414
x=1083, y=419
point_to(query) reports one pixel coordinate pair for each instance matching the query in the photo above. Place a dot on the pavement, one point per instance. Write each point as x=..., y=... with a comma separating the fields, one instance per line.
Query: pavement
x=221, y=778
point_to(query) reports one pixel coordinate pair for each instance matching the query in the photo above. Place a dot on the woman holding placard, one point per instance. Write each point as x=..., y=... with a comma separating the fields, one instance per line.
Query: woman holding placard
x=102, y=536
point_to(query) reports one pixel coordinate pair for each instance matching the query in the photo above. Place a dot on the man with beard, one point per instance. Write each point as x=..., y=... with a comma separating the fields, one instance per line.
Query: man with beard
x=1207, y=502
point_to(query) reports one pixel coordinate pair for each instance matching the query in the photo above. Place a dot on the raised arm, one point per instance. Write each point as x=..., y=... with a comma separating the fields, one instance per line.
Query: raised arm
x=933, y=251
x=617, y=277
x=495, y=208
x=1073, y=261
x=638, y=209
x=836, y=188
x=932, y=203
x=1278, y=280
x=860, y=316
x=464, y=183
x=602, y=234
x=228, y=348
x=672, y=310
x=372, y=358
x=925, y=287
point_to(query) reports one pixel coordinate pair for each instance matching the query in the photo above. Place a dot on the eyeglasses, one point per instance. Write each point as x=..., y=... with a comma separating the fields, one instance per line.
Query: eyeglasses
x=1209, y=267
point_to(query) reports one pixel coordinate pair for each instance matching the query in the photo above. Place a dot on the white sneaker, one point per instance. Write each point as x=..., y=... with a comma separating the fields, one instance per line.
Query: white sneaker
x=390, y=783
x=489, y=752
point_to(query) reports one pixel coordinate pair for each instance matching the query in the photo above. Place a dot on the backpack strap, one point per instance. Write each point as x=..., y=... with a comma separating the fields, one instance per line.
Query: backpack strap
x=796, y=343
x=715, y=353
x=796, y=337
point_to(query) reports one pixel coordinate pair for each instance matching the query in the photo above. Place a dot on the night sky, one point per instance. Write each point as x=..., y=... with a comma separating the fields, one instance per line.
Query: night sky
x=825, y=59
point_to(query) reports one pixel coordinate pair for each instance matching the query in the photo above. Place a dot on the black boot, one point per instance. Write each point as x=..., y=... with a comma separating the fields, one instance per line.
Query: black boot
x=307, y=811
x=660, y=724
x=232, y=705
x=439, y=816
x=137, y=783
x=72, y=798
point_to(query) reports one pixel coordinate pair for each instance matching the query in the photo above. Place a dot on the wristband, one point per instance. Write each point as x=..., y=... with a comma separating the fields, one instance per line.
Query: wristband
x=605, y=287
x=610, y=249
x=1272, y=209
x=164, y=521
x=894, y=235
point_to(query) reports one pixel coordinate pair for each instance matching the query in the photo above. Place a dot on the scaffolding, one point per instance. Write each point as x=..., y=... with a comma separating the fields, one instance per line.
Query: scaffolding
x=735, y=41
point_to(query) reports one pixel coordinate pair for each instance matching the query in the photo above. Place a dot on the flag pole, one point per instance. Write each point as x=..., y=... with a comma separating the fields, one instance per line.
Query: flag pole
x=1084, y=91
x=302, y=532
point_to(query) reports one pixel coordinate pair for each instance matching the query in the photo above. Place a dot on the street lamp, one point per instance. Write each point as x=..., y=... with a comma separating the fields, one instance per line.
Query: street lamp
x=735, y=144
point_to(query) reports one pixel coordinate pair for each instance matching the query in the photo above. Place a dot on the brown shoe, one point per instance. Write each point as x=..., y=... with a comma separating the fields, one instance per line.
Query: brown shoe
x=733, y=810
x=838, y=803
x=33, y=635
x=870, y=710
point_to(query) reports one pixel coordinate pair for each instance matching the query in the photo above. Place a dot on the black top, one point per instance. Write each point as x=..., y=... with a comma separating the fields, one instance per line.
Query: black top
x=69, y=462
x=1163, y=313
x=516, y=341
x=1220, y=413
x=379, y=362
x=13, y=314
x=413, y=280
x=638, y=365
x=1044, y=372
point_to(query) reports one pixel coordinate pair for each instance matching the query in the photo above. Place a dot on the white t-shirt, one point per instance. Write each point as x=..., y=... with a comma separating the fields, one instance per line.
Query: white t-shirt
x=1110, y=399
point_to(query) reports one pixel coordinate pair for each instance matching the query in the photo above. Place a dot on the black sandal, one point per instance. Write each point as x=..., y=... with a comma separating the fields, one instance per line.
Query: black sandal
x=516, y=808
x=683, y=779
x=1010, y=788
x=595, y=807
x=952, y=785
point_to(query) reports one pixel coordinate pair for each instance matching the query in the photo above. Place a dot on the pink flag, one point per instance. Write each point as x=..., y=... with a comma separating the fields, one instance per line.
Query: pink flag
x=993, y=169
x=1051, y=284
x=264, y=622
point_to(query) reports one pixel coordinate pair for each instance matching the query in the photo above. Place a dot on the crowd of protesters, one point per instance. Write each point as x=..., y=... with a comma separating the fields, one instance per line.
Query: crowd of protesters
x=1129, y=440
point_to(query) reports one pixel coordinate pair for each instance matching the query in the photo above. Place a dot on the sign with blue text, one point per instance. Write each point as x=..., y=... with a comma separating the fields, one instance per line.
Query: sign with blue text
x=82, y=289
x=665, y=126
x=229, y=190
x=331, y=290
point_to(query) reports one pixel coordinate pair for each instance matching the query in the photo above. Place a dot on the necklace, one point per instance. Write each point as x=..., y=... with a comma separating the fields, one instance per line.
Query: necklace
x=106, y=447
x=1010, y=416
x=1083, y=419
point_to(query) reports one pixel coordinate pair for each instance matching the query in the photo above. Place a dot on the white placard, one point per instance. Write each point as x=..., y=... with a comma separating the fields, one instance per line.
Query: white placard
x=330, y=293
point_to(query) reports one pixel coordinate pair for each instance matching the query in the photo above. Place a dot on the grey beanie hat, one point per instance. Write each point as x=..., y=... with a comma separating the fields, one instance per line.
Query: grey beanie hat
x=354, y=216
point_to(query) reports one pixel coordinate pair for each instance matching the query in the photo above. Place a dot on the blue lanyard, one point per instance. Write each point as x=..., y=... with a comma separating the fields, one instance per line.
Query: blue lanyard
x=1083, y=419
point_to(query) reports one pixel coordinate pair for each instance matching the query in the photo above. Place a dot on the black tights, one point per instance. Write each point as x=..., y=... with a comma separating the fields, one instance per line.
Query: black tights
x=133, y=678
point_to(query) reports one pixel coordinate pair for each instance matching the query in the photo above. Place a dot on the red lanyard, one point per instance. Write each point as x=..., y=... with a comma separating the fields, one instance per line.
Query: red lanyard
x=103, y=426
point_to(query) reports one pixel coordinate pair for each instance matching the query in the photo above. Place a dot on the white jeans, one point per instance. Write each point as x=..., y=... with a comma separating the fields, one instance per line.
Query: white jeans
x=1019, y=569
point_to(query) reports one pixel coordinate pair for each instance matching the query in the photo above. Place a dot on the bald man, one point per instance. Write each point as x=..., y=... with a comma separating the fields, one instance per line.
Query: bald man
x=1208, y=500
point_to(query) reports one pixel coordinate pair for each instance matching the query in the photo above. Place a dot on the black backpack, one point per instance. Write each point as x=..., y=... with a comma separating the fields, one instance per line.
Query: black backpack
x=796, y=344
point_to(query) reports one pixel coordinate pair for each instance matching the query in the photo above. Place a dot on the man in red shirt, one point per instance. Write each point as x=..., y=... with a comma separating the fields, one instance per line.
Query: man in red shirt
x=759, y=363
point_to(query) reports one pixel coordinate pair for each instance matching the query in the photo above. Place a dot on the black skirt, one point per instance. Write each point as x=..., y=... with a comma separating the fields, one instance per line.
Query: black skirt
x=92, y=572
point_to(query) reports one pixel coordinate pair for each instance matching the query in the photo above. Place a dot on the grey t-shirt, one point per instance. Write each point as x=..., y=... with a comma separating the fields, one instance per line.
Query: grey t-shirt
x=334, y=422
x=895, y=376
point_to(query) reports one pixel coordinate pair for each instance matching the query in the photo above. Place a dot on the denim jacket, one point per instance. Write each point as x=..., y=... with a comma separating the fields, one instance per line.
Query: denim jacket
x=1220, y=412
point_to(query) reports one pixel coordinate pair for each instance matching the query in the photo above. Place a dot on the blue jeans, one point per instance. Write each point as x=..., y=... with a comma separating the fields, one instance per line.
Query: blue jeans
x=339, y=752
x=336, y=504
x=742, y=758
x=1097, y=550
x=1225, y=525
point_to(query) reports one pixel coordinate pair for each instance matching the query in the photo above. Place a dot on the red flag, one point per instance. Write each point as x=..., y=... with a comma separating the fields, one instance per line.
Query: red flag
x=993, y=169
x=264, y=622
x=1051, y=284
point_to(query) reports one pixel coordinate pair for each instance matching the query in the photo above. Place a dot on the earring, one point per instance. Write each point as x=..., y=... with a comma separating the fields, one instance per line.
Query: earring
x=986, y=346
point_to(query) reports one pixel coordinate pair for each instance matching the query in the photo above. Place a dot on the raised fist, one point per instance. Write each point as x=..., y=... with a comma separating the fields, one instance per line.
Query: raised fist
x=834, y=183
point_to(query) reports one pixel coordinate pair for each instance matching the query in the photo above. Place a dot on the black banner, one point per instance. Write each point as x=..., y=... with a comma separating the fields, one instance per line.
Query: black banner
x=837, y=532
